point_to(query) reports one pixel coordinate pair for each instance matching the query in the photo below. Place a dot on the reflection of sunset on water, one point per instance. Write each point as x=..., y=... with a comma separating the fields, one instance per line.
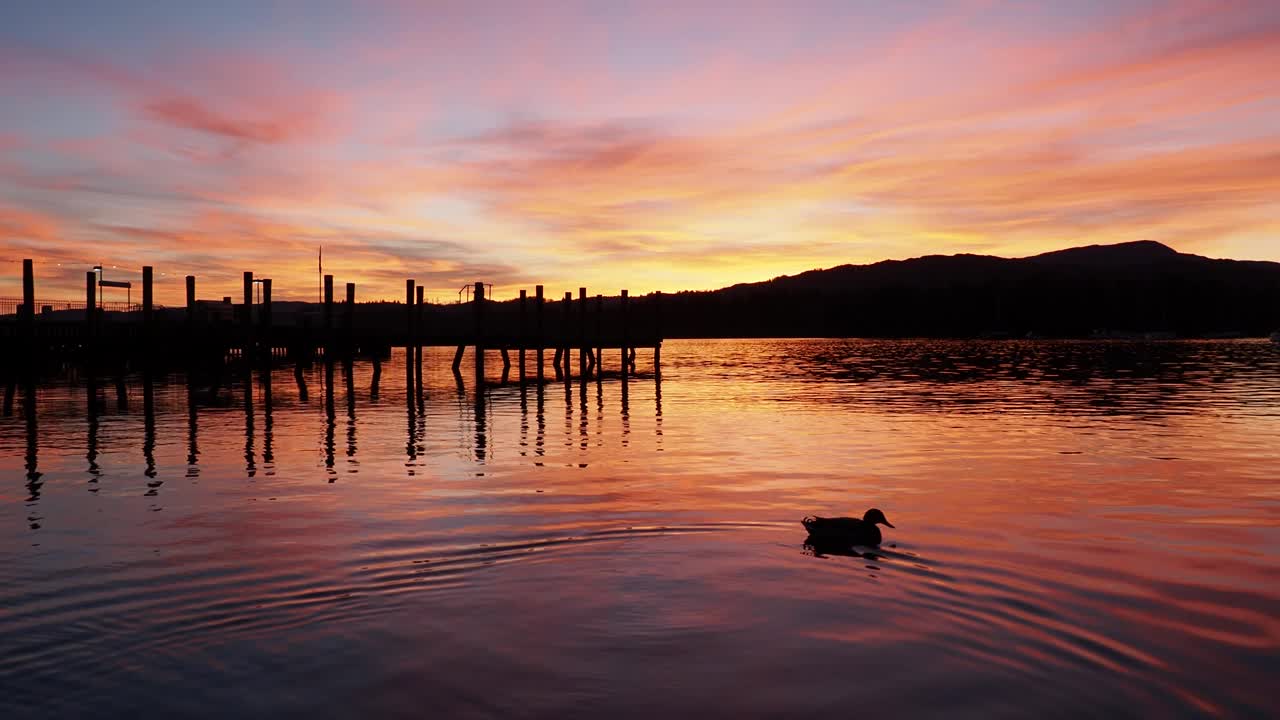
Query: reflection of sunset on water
x=1092, y=518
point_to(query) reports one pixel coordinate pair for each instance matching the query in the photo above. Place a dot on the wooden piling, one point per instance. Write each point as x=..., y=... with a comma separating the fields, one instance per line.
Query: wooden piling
x=657, y=333
x=537, y=312
x=566, y=335
x=191, y=300
x=622, y=326
x=582, y=332
x=419, y=321
x=148, y=310
x=408, y=314
x=28, y=313
x=349, y=317
x=248, y=298
x=599, y=336
x=523, y=331
x=477, y=297
x=328, y=308
x=90, y=302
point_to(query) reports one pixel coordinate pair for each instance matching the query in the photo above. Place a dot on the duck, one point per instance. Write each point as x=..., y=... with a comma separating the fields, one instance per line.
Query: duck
x=847, y=530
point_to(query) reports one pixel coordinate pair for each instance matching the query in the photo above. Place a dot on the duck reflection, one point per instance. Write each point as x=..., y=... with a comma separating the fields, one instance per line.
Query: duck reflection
x=820, y=548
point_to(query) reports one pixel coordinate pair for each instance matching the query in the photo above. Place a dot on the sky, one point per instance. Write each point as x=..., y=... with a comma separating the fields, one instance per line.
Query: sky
x=660, y=145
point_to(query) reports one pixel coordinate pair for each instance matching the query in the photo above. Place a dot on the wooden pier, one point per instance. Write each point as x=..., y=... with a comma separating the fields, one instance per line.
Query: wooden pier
x=42, y=334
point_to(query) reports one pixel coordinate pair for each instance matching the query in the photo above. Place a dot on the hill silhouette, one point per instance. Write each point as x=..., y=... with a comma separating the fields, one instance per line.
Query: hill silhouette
x=1099, y=290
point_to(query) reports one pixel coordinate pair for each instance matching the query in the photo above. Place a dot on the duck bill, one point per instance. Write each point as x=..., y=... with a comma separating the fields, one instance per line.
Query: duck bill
x=889, y=524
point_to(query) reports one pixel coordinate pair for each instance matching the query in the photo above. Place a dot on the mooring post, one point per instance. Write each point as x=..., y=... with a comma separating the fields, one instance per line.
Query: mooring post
x=349, y=319
x=566, y=337
x=477, y=297
x=522, y=333
x=28, y=313
x=90, y=300
x=622, y=327
x=582, y=333
x=657, y=332
x=191, y=301
x=599, y=336
x=328, y=316
x=248, y=297
x=248, y=315
x=148, y=311
x=408, y=314
x=537, y=318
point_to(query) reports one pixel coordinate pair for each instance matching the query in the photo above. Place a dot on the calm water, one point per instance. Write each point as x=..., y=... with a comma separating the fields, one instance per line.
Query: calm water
x=1082, y=529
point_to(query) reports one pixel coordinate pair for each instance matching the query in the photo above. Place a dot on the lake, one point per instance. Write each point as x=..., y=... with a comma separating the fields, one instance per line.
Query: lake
x=1082, y=529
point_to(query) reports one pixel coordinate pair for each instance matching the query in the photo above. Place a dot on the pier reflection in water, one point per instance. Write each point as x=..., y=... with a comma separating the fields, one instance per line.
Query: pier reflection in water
x=1091, y=520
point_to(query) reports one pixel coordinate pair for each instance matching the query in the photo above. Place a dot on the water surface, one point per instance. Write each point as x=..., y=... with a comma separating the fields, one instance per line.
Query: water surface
x=1082, y=529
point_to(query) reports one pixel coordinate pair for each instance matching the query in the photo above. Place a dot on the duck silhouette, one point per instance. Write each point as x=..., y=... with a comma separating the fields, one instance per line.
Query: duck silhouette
x=846, y=530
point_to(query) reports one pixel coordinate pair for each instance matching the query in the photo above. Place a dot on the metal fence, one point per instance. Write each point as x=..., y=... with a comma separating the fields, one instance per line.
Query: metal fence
x=10, y=305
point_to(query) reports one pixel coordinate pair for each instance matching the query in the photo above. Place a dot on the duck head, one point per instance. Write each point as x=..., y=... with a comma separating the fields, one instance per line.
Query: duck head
x=874, y=517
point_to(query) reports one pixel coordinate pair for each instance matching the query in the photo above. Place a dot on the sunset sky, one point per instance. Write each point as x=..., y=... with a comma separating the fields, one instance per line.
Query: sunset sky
x=648, y=145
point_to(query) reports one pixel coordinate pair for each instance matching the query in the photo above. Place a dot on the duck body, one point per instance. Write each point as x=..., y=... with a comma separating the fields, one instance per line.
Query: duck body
x=847, y=530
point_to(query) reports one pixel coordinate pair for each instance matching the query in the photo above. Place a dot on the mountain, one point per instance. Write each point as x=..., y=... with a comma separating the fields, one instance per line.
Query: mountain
x=1132, y=287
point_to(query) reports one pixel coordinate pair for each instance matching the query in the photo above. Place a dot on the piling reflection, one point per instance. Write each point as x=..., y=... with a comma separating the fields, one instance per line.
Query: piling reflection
x=348, y=377
x=300, y=380
x=250, y=453
x=31, y=461
x=524, y=412
x=411, y=411
x=626, y=408
x=91, y=432
x=268, y=421
x=481, y=420
x=149, y=434
x=540, y=419
x=330, y=420
x=193, y=429
x=657, y=407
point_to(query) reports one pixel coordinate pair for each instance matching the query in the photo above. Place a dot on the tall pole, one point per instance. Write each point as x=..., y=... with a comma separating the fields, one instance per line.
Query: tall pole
x=28, y=291
x=626, y=361
x=148, y=312
x=90, y=297
x=410, y=340
x=537, y=315
x=248, y=314
x=477, y=298
x=565, y=336
x=349, y=317
x=582, y=333
x=523, y=332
